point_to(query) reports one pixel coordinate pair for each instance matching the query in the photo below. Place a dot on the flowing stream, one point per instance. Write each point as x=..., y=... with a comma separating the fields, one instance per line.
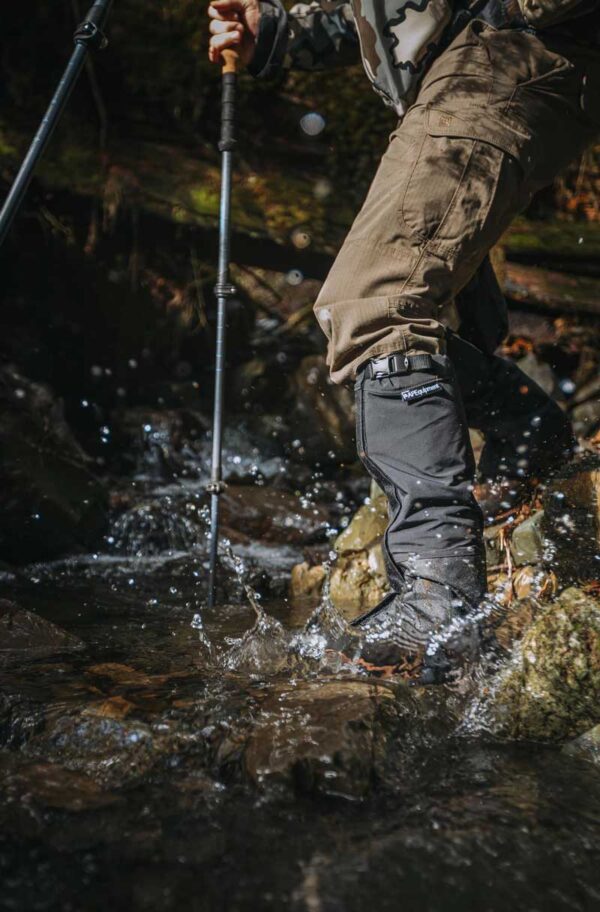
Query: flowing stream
x=162, y=758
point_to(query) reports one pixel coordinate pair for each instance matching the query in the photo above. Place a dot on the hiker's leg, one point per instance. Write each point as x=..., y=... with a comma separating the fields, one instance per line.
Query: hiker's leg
x=498, y=115
x=467, y=157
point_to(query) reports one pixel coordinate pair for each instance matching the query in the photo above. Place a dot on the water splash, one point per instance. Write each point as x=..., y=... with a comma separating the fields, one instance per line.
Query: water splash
x=162, y=525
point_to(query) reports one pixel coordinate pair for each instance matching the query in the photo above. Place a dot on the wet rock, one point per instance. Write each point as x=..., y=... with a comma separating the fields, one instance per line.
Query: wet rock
x=306, y=580
x=494, y=546
x=534, y=582
x=551, y=689
x=50, y=502
x=366, y=529
x=358, y=578
x=517, y=618
x=586, y=746
x=164, y=524
x=250, y=455
x=114, y=751
x=358, y=582
x=25, y=636
x=334, y=738
x=159, y=444
x=176, y=521
x=273, y=515
x=47, y=785
x=509, y=589
x=527, y=542
x=324, y=412
x=571, y=521
x=167, y=444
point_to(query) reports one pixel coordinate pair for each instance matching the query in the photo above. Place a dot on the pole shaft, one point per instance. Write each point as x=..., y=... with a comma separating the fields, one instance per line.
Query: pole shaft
x=41, y=139
x=226, y=146
x=96, y=17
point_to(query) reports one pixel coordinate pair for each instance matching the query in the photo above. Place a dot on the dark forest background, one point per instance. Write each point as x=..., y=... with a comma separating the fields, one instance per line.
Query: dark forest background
x=107, y=276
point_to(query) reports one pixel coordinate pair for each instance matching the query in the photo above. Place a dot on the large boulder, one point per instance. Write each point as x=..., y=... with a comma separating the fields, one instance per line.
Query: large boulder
x=550, y=691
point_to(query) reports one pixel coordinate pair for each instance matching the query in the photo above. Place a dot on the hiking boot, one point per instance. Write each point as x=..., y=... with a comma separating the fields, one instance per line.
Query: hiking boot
x=429, y=631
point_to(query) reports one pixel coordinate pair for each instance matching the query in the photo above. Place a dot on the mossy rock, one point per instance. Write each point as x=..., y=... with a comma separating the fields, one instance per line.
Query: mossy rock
x=551, y=691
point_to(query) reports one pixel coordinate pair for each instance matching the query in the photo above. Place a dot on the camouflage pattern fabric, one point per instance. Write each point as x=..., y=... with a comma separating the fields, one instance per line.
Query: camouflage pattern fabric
x=397, y=39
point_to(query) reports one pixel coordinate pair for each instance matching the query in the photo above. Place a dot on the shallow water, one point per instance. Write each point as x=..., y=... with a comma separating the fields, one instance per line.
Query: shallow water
x=169, y=762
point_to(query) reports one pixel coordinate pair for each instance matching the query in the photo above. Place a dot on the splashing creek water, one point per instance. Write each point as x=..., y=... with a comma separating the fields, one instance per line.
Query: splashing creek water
x=160, y=758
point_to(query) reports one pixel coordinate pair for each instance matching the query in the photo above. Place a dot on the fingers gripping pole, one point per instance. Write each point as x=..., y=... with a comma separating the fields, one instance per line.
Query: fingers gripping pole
x=223, y=290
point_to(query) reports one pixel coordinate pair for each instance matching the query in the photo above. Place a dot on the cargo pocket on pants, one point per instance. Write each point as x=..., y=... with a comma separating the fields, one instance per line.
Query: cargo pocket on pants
x=449, y=195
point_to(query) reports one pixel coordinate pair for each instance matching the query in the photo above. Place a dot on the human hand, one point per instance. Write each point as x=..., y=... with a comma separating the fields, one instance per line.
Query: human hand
x=234, y=25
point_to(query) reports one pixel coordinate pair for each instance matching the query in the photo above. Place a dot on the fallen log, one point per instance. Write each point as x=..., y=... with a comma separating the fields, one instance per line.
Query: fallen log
x=545, y=290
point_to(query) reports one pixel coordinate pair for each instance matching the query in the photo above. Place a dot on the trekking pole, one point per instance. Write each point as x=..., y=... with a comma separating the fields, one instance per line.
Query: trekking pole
x=89, y=34
x=223, y=290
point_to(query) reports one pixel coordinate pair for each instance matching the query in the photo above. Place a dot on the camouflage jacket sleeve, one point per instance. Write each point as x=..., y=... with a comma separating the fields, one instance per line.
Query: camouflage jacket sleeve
x=312, y=36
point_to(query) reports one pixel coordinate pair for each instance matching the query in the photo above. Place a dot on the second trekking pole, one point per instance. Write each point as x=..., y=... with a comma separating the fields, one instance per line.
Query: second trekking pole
x=223, y=290
x=89, y=35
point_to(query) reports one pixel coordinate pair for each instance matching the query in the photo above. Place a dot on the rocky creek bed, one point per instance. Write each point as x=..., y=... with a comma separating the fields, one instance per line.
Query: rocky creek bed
x=155, y=756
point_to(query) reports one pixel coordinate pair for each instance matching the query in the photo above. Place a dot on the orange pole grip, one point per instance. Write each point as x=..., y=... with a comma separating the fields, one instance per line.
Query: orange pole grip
x=230, y=61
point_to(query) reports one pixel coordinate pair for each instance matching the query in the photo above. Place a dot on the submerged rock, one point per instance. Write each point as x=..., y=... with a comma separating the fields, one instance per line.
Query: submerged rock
x=25, y=636
x=50, y=502
x=47, y=785
x=176, y=520
x=551, y=690
x=338, y=737
x=273, y=515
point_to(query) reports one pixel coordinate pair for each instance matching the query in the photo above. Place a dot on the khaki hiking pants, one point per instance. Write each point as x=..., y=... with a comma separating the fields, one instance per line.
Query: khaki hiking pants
x=498, y=115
